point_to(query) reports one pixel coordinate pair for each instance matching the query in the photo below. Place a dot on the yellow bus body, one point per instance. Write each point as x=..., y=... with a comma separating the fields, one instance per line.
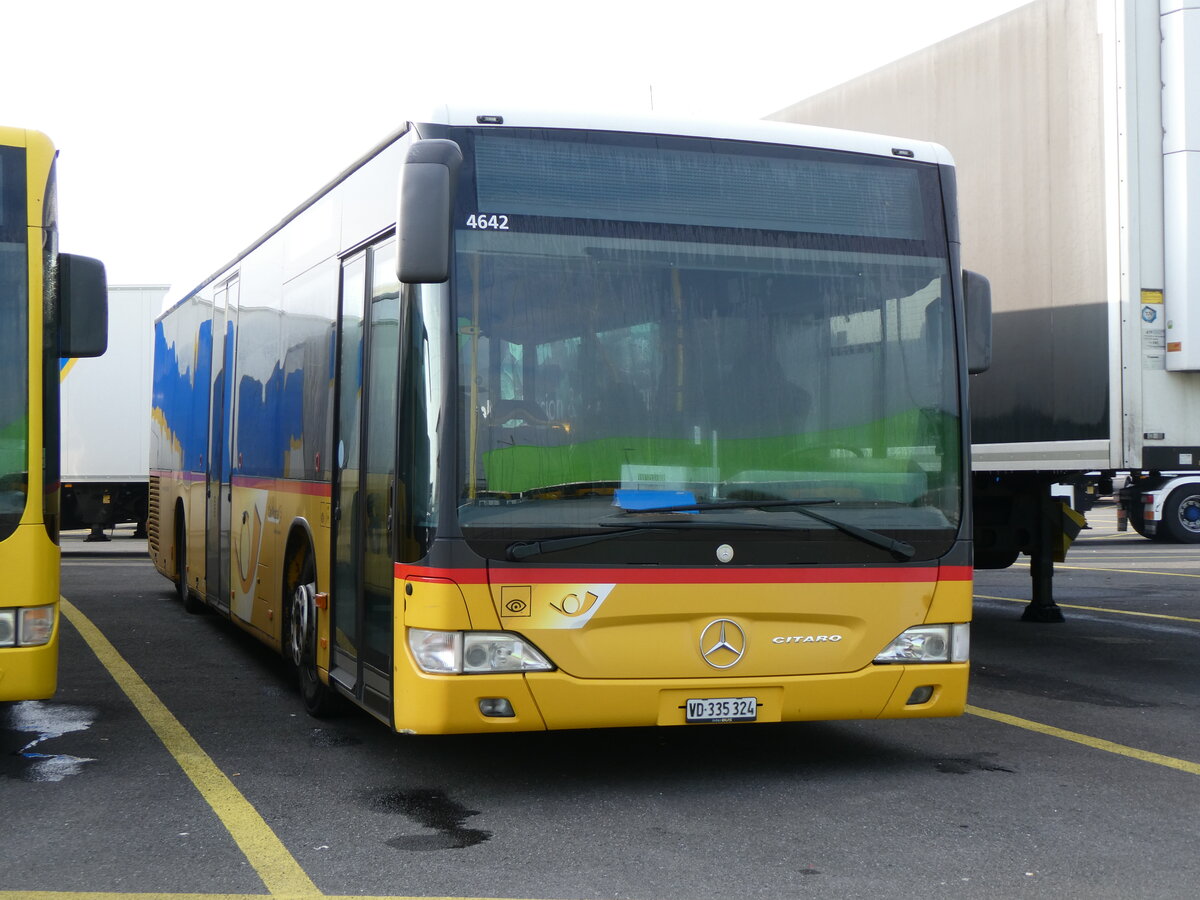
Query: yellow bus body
x=599, y=681
x=28, y=557
x=310, y=430
x=636, y=659
x=30, y=561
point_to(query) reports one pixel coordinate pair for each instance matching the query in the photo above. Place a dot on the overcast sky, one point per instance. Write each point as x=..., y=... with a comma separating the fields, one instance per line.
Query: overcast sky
x=187, y=129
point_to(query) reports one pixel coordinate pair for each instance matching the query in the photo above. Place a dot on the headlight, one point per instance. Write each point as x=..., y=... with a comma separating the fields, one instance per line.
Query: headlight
x=473, y=652
x=36, y=626
x=436, y=651
x=929, y=644
x=30, y=626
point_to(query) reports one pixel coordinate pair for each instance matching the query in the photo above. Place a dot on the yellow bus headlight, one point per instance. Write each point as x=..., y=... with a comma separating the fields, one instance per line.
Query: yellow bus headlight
x=474, y=652
x=36, y=626
x=30, y=626
x=929, y=644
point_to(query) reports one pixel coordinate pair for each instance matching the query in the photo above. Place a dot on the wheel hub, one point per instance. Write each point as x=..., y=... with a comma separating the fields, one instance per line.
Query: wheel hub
x=302, y=604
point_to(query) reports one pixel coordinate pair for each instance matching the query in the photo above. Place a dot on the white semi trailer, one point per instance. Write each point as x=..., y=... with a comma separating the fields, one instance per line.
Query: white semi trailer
x=1075, y=125
x=106, y=419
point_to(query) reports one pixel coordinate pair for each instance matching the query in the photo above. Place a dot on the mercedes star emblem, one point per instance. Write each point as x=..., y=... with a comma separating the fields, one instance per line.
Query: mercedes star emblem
x=722, y=643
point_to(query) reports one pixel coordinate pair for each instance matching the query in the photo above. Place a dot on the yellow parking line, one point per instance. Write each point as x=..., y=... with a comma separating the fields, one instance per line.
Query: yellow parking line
x=1113, y=556
x=278, y=869
x=1102, y=609
x=114, y=895
x=109, y=895
x=1123, y=571
x=1157, y=759
x=1127, y=571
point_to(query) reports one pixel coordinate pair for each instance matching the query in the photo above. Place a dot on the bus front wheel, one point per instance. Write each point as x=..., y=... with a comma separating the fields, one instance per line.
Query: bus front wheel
x=300, y=636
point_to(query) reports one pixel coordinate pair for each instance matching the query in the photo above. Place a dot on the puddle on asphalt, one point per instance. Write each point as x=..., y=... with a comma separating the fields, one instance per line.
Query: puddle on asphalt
x=47, y=721
x=965, y=765
x=433, y=810
x=325, y=737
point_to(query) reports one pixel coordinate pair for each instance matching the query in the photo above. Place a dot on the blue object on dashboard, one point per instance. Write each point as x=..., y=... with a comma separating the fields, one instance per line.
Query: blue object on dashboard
x=650, y=500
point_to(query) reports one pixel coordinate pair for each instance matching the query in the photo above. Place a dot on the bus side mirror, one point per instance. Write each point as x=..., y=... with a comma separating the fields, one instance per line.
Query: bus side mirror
x=427, y=178
x=978, y=293
x=82, y=307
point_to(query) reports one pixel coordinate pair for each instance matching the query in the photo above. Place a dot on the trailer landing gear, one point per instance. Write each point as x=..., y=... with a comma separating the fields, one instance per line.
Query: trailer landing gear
x=1017, y=514
x=1045, y=544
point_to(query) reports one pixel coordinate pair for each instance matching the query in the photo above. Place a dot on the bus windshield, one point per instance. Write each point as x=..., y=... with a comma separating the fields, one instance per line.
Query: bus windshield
x=647, y=324
x=14, y=339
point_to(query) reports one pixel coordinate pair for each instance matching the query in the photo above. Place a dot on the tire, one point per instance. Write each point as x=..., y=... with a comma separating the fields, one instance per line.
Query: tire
x=1136, y=522
x=1181, y=515
x=180, y=562
x=995, y=559
x=191, y=603
x=300, y=638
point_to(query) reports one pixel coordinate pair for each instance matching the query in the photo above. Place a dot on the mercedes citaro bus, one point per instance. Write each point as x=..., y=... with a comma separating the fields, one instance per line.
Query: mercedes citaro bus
x=556, y=421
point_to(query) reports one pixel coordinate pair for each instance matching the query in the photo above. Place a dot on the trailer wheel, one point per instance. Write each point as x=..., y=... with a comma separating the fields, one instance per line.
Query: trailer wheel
x=995, y=558
x=1181, y=515
x=300, y=634
x=1136, y=520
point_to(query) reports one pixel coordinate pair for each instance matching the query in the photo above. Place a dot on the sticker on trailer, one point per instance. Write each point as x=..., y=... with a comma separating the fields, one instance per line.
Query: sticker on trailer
x=1154, y=332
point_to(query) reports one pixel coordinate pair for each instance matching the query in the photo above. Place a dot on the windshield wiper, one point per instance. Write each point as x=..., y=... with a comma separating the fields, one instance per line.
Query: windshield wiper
x=525, y=549
x=900, y=549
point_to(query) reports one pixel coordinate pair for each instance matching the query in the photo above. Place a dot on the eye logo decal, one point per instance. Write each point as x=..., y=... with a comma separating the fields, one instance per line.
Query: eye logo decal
x=515, y=600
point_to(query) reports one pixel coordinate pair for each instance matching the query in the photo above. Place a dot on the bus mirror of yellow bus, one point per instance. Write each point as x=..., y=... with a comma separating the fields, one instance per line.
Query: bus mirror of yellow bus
x=426, y=199
x=82, y=307
x=977, y=292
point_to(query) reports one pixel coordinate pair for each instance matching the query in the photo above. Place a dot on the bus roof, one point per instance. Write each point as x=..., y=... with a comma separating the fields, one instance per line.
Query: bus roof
x=755, y=130
x=760, y=130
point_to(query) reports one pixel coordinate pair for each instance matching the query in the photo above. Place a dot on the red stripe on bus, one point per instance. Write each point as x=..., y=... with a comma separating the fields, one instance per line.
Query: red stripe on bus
x=282, y=485
x=791, y=575
x=177, y=474
x=285, y=486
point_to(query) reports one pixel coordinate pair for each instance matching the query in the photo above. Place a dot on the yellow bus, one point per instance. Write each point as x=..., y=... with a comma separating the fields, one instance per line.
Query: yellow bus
x=52, y=305
x=537, y=422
